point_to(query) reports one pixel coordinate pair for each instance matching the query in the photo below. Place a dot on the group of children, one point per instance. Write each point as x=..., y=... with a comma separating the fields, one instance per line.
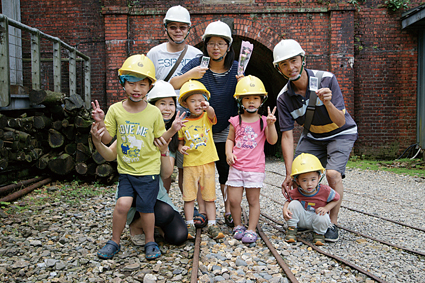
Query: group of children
x=141, y=149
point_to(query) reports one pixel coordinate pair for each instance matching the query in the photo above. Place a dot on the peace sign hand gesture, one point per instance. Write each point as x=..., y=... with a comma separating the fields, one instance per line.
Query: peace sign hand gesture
x=97, y=113
x=178, y=122
x=271, y=118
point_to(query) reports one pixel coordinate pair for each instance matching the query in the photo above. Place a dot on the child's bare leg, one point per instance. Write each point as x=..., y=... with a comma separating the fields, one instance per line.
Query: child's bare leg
x=253, y=197
x=148, y=225
x=234, y=195
x=188, y=209
x=226, y=203
x=119, y=217
x=201, y=202
x=210, y=208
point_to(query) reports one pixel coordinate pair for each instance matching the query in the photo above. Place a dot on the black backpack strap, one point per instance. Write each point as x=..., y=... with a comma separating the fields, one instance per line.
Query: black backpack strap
x=311, y=105
x=176, y=64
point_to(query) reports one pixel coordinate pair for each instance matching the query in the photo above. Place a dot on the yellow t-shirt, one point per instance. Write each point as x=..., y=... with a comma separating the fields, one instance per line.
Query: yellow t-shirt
x=197, y=134
x=137, y=155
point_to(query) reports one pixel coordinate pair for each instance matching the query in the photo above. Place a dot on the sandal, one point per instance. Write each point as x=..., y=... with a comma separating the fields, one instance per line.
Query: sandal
x=109, y=250
x=228, y=219
x=200, y=220
x=138, y=239
x=152, y=251
x=249, y=237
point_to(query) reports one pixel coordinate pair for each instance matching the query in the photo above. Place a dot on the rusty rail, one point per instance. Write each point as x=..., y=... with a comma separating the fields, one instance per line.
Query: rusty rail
x=11, y=187
x=25, y=191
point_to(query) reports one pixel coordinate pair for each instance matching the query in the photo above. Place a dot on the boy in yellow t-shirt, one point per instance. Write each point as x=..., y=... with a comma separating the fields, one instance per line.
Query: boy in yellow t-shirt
x=197, y=146
x=136, y=124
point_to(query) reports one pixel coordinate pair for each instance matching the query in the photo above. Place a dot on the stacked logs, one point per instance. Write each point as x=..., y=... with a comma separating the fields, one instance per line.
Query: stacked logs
x=54, y=139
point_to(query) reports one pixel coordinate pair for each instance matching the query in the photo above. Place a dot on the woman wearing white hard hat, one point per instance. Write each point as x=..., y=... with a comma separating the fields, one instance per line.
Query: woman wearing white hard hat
x=220, y=78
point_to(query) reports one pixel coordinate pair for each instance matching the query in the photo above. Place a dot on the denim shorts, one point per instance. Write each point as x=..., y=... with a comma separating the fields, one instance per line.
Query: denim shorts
x=143, y=190
x=238, y=178
x=333, y=154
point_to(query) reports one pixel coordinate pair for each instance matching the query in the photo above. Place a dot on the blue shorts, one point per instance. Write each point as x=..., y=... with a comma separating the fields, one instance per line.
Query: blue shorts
x=333, y=154
x=143, y=190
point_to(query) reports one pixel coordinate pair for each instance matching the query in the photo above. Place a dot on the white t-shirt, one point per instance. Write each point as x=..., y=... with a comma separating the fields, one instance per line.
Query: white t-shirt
x=165, y=60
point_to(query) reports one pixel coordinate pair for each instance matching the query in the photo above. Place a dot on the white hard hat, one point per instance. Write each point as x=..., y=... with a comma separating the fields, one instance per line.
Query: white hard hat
x=177, y=14
x=161, y=89
x=219, y=29
x=285, y=49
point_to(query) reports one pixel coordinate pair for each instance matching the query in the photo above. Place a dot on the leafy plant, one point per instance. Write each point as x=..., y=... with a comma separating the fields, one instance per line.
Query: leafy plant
x=394, y=5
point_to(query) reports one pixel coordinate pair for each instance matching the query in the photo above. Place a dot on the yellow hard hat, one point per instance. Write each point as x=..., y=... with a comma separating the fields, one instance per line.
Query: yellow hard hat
x=250, y=85
x=192, y=87
x=138, y=65
x=306, y=162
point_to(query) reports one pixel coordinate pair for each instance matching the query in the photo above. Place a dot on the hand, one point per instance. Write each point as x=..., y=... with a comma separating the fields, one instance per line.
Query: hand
x=321, y=211
x=325, y=95
x=97, y=113
x=178, y=122
x=161, y=144
x=238, y=77
x=287, y=214
x=271, y=118
x=286, y=187
x=198, y=72
x=184, y=149
x=205, y=105
x=97, y=132
x=231, y=159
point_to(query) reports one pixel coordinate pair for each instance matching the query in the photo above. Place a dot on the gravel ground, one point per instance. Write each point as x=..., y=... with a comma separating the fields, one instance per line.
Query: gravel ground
x=58, y=241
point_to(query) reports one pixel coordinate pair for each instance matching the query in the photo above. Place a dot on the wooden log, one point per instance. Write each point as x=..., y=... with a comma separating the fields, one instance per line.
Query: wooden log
x=81, y=168
x=98, y=158
x=57, y=125
x=10, y=136
x=12, y=123
x=71, y=148
x=83, y=153
x=4, y=151
x=56, y=139
x=45, y=97
x=69, y=132
x=1, y=133
x=104, y=170
x=65, y=123
x=17, y=156
x=3, y=163
x=3, y=121
x=62, y=165
x=42, y=122
x=73, y=102
x=21, y=136
x=81, y=122
x=36, y=153
x=82, y=138
x=43, y=161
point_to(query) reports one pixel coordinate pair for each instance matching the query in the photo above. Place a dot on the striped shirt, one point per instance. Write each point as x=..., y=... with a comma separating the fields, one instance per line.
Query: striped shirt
x=222, y=88
x=292, y=107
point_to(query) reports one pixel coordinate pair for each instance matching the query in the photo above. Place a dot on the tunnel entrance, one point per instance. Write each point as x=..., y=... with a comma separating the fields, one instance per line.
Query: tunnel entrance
x=261, y=66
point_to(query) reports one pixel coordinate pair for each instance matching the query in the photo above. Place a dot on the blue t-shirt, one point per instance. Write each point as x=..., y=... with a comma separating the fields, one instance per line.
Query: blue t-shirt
x=292, y=107
x=222, y=88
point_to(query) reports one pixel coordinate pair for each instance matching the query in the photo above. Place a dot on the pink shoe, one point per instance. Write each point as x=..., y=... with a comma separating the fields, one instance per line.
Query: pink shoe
x=238, y=232
x=249, y=237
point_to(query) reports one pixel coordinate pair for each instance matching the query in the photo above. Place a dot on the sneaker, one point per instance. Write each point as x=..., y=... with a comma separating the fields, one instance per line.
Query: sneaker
x=238, y=232
x=318, y=240
x=215, y=232
x=331, y=234
x=191, y=232
x=291, y=235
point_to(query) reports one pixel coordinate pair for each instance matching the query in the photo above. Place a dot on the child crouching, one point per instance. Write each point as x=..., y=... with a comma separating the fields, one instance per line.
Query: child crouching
x=308, y=206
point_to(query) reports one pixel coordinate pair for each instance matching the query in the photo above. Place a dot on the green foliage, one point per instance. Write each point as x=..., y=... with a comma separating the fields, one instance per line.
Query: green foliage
x=407, y=166
x=394, y=5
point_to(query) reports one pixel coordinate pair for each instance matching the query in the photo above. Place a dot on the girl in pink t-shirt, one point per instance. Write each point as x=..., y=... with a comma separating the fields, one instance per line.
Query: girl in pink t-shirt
x=245, y=153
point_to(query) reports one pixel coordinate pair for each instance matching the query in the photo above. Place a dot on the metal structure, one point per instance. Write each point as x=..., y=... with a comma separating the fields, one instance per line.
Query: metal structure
x=36, y=35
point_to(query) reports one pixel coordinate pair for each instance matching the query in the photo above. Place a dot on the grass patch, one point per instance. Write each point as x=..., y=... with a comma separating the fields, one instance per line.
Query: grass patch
x=71, y=193
x=407, y=166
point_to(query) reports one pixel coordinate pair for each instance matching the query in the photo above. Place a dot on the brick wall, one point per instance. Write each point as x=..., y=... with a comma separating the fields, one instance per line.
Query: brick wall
x=374, y=61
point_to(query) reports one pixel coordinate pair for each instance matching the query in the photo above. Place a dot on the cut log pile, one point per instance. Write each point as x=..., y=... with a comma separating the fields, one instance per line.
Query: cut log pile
x=55, y=139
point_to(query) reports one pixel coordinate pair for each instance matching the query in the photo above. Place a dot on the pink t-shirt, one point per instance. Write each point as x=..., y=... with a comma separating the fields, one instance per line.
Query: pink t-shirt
x=249, y=145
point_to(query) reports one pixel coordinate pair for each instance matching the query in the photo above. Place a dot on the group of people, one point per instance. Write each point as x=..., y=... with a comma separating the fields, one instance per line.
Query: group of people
x=201, y=118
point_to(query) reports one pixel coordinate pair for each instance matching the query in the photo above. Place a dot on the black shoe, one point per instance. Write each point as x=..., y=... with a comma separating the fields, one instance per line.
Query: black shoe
x=331, y=234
